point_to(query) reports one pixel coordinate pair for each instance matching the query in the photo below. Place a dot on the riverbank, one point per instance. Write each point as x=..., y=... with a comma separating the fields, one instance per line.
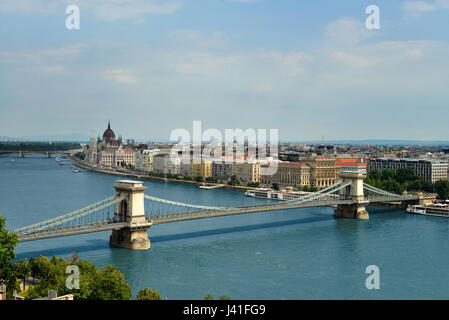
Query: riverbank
x=142, y=175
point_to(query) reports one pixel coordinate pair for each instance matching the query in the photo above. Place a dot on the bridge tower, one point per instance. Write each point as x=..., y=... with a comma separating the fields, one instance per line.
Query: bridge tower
x=131, y=211
x=21, y=155
x=355, y=174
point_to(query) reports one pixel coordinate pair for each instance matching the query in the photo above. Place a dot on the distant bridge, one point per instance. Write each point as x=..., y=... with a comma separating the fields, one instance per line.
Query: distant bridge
x=129, y=223
x=47, y=153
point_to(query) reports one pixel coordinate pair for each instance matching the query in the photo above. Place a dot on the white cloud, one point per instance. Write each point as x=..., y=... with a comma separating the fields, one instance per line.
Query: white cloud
x=346, y=32
x=105, y=10
x=414, y=9
x=120, y=76
x=205, y=64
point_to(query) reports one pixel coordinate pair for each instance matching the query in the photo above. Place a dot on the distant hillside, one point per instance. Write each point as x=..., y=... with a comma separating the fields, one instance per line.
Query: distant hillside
x=378, y=142
x=61, y=137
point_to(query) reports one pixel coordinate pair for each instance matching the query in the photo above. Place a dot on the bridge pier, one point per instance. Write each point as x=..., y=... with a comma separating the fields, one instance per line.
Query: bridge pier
x=353, y=192
x=131, y=210
x=21, y=155
x=47, y=155
x=353, y=211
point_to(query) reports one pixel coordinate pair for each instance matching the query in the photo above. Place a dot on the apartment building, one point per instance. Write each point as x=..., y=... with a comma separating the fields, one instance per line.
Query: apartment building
x=289, y=174
x=222, y=170
x=163, y=163
x=202, y=169
x=144, y=159
x=323, y=173
x=246, y=172
x=431, y=170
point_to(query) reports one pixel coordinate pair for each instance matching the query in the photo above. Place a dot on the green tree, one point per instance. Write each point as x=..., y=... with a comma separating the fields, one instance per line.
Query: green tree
x=225, y=298
x=39, y=267
x=253, y=184
x=23, y=270
x=405, y=174
x=199, y=179
x=387, y=174
x=208, y=297
x=211, y=179
x=111, y=285
x=106, y=284
x=234, y=181
x=8, y=243
x=427, y=186
x=374, y=175
x=442, y=189
x=275, y=186
x=148, y=294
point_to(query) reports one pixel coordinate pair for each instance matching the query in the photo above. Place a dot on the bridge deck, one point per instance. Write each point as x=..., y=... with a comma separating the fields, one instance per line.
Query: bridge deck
x=270, y=207
x=201, y=214
x=72, y=230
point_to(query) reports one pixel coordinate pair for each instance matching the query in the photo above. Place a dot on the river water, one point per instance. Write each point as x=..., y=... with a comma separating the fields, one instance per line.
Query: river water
x=292, y=254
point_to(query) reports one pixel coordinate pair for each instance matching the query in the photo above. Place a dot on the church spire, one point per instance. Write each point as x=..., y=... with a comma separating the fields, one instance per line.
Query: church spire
x=109, y=124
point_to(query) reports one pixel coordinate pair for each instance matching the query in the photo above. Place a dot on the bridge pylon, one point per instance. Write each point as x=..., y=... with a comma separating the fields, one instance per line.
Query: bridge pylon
x=131, y=210
x=21, y=155
x=354, y=191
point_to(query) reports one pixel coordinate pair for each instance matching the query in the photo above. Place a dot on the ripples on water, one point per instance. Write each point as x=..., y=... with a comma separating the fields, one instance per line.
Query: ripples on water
x=294, y=254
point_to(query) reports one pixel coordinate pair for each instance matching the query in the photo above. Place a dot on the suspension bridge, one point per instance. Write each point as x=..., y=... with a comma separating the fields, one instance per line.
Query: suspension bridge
x=124, y=213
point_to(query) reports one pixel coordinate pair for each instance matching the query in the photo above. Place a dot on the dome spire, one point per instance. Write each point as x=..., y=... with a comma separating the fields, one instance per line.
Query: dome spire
x=108, y=135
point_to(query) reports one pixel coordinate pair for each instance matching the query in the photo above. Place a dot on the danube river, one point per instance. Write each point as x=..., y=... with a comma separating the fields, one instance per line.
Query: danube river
x=293, y=254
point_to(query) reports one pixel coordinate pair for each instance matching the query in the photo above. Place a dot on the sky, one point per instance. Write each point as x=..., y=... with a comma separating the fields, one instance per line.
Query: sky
x=310, y=69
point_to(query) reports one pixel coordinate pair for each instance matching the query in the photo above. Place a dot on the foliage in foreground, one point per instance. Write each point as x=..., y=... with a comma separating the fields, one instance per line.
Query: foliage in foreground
x=405, y=180
x=105, y=284
x=209, y=297
x=8, y=242
x=148, y=294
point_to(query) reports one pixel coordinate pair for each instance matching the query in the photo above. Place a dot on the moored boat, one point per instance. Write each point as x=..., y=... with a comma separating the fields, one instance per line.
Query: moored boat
x=437, y=210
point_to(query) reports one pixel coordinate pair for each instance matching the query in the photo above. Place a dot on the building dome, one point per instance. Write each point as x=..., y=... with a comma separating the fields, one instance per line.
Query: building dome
x=109, y=134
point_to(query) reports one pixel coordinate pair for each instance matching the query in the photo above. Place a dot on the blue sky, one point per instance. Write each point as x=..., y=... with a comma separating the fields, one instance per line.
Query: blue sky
x=307, y=68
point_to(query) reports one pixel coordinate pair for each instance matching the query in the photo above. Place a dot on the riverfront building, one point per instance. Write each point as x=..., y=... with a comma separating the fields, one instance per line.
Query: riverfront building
x=109, y=152
x=202, y=169
x=246, y=172
x=289, y=174
x=144, y=159
x=432, y=170
x=323, y=172
x=222, y=170
x=163, y=163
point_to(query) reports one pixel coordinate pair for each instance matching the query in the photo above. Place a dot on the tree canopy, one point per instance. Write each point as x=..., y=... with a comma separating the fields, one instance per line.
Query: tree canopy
x=8, y=271
x=105, y=284
x=148, y=294
x=398, y=181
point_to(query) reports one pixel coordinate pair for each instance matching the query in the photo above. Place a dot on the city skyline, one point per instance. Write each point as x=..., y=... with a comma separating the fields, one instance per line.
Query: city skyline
x=309, y=70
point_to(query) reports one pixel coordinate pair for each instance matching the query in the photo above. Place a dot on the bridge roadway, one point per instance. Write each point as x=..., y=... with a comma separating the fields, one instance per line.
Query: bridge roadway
x=65, y=152
x=72, y=230
x=270, y=207
x=192, y=215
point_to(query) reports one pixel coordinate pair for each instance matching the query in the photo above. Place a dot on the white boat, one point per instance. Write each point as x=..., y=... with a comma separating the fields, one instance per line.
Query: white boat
x=437, y=210
x=12, y=160
x=211, y=187
x=266, y=193
x=75, y=170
